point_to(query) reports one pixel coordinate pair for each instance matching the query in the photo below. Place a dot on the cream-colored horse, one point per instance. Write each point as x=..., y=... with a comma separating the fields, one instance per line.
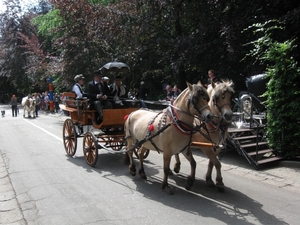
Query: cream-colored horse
x=28, y=104
x=169, y=132
x=216, y=130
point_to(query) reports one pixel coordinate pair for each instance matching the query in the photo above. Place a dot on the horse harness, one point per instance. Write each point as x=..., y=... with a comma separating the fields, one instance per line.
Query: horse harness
x=221, y=126
x=163, y=125
x=171, y=112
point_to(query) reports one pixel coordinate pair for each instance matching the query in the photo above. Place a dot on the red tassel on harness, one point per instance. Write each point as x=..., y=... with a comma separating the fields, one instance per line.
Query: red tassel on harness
x=125, y=117
x=151, y=127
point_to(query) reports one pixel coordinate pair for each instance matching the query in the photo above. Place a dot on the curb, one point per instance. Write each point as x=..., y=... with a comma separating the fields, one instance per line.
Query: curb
x=10, y=212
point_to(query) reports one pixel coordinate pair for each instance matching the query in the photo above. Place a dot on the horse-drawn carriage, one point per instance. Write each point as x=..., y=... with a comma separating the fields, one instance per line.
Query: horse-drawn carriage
x=171, y=131
x=111, y=130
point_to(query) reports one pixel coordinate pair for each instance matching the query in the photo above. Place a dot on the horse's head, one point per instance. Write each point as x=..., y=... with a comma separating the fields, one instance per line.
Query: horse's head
x=198, y=102
x=220, y=102
x=31, y=102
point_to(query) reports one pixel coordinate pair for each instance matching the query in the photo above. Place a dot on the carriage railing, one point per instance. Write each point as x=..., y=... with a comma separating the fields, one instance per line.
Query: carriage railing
x=254, y=119
x=283, y=121
x=250, y=115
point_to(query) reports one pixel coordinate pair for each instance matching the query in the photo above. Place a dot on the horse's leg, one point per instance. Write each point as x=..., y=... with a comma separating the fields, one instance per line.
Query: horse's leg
x=24, y=111
x=177, y=164
x=141, y=153
x=166, y=166
x=213, y=161
x=208, y=178
x=132, y=169
x=191, y=178
x=219, y=179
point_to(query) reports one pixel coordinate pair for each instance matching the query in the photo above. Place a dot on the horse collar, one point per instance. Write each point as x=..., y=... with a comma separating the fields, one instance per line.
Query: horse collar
x=181, y=126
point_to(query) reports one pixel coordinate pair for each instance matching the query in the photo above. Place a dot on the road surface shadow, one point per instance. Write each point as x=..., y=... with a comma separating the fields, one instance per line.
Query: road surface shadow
x=231, y=207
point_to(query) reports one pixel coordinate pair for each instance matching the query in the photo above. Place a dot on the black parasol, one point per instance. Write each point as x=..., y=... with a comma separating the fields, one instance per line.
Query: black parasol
x=115, y=66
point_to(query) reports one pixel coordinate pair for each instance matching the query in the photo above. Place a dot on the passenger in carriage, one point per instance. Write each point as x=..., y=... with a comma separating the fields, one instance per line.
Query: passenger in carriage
x=118, y=91
x=98, y=96
x=211, y=77
x=176, y=91
x=170, y=93
x=105, y=81
x=77, y=89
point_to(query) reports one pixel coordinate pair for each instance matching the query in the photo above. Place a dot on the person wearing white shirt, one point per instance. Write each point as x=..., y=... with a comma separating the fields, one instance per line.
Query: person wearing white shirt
x=79, y=79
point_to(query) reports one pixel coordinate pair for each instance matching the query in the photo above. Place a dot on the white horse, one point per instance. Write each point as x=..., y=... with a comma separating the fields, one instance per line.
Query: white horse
x=216, y=130
x=169, y=132
x=29, y=106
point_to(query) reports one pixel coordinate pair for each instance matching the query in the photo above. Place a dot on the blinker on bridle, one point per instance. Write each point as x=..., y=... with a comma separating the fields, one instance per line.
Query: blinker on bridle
x=215, y=100
x=194, y=100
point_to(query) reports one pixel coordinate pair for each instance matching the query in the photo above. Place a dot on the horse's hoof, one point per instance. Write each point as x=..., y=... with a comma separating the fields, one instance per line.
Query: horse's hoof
x=132, y=170
x=143, y=175
x=188, y=187
x=210, y=183
x=176, y=168
x=132, y=173
x=221, y=188
x=189, y=184
x=168, y=191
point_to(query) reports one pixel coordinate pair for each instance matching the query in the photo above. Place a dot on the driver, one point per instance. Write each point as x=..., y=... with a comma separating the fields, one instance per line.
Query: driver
x=98, y=97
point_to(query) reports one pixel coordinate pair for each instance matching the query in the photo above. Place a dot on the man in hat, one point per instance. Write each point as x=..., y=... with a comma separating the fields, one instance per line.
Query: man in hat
x=79, y=79
x=97, y=95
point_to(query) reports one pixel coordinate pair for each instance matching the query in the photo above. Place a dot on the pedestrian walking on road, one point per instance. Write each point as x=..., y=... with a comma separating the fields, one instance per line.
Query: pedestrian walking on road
x=14, y=106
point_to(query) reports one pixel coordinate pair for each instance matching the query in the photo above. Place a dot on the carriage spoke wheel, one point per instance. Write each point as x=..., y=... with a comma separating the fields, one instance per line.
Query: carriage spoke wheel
x=116, y=143
x=90, y=148
x=137, y=155
x=69, y=137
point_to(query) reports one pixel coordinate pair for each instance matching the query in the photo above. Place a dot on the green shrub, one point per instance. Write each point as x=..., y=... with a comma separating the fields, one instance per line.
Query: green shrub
x=283, y=91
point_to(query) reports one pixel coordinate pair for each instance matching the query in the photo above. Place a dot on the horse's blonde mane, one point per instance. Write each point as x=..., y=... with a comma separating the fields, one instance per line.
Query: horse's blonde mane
x=225, y=85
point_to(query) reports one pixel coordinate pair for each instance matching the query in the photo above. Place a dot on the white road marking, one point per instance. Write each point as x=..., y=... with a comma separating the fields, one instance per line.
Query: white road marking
x=56, y=137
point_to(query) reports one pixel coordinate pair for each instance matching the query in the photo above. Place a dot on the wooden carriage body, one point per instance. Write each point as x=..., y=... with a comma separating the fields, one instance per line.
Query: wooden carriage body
x=82, y=117
x=81, y=113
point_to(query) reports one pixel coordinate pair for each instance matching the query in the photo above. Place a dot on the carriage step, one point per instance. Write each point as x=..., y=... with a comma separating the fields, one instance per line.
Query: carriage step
x=237, y=130
x=269, y=160
x=244, y=137
x=254, y=144
x=260, y=152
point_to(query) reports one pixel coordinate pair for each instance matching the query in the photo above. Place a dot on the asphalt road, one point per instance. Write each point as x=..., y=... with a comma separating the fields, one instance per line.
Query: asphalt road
x=40, y=184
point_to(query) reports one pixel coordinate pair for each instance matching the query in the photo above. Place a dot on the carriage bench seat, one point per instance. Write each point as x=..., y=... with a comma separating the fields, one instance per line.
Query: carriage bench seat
x=72, y=102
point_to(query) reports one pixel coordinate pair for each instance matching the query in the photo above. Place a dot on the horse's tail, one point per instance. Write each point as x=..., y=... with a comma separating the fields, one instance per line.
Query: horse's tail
x=127, y=134
x=125, y=159
x=24, y=101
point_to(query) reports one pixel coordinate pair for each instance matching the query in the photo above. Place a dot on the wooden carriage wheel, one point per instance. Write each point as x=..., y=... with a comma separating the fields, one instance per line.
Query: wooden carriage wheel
x=116, y=143
x=137, y=155
x=90, y=148
x=69, y=137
